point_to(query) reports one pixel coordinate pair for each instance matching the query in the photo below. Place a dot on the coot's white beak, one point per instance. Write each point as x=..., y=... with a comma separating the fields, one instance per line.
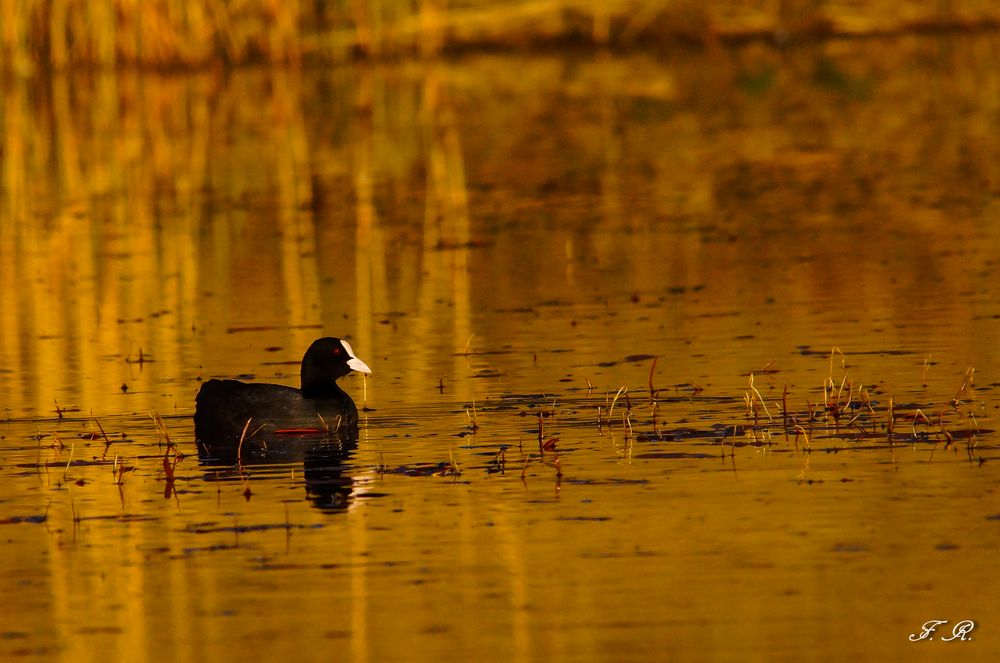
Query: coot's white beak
x=354, y=363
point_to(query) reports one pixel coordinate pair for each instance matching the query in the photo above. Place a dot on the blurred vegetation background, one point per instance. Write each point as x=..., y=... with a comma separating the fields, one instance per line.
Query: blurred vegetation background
x=194, y=33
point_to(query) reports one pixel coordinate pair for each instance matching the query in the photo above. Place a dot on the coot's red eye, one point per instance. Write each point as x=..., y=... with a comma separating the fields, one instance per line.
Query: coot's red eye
x=336, y=351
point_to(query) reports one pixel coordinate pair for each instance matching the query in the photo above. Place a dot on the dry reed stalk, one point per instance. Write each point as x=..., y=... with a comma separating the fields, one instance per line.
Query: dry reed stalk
x=970, y=445
x=69, y=461
x=891, y=421
x=784, y=409
x=750, y=394
x=239, y=447
x=453, y=468
x=974, y=421
x=945, y=435
x=473, y=416
x=800, y=430
x=652, y=367
x=107, y=442
x=866, y=401
x=164, y=435
x=965, y=387
x=169, y=464
x=119, y=470
x=913, y=424
x=381, y=468
x=854, y=423
x=611, y=410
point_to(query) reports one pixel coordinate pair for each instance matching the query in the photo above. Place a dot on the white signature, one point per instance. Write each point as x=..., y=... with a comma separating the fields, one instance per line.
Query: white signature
x=960, y=631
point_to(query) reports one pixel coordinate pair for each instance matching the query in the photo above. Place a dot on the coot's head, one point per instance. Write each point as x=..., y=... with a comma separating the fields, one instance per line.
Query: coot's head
x=326, y=361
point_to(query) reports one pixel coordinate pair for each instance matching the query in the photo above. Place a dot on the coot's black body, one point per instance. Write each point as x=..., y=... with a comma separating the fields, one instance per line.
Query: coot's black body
x=281, y=418
x=224, y=406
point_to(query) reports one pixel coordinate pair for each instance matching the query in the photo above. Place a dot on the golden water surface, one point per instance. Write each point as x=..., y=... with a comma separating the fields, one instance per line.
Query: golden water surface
x=806, y=241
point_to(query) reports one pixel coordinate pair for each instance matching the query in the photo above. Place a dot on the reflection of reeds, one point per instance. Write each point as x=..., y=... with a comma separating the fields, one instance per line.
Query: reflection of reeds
x=125, y=194
x=191, y=33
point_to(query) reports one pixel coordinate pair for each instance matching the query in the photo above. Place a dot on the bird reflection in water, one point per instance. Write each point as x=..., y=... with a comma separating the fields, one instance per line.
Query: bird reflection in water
x=324, y=458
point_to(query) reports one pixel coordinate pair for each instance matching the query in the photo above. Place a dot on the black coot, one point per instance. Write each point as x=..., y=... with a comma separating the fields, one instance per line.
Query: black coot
x=276, y=412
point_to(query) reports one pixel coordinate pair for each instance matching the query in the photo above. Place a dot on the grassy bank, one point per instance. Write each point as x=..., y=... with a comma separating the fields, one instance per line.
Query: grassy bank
x=194, y=33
